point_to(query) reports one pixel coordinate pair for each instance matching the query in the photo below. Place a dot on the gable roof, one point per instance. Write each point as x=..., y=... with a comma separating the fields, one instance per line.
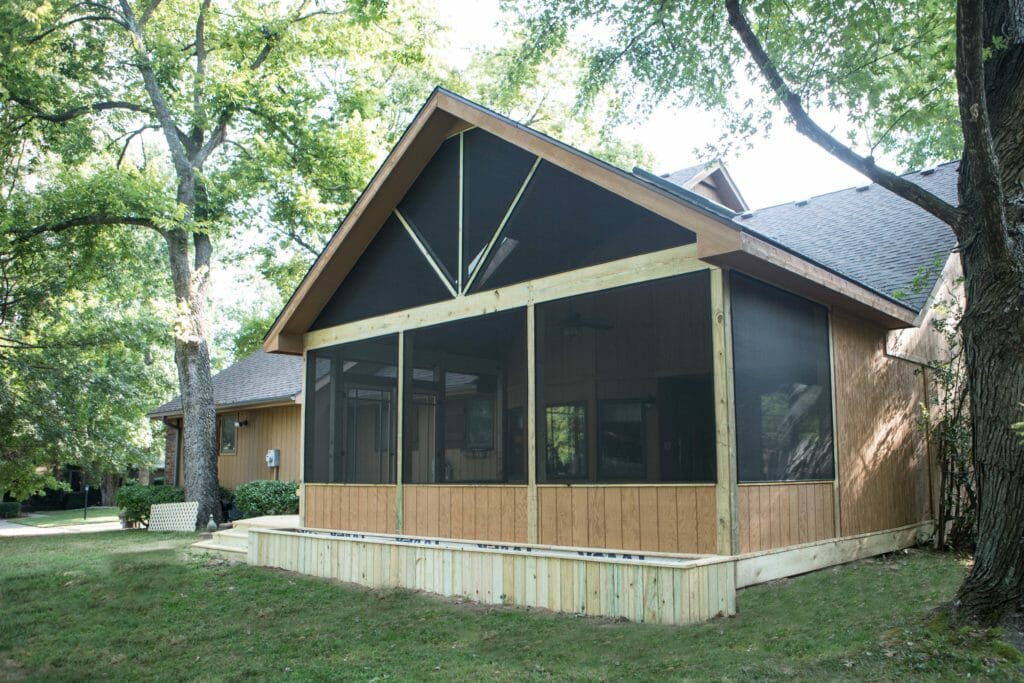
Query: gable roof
x=720, y=239
x=712, y=180
x=869, y=234
x=259, y=378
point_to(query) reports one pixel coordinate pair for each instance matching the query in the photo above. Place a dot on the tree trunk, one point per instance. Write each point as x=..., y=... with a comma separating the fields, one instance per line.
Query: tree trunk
x=108, y=489
x=992, y=252
x=192, y=357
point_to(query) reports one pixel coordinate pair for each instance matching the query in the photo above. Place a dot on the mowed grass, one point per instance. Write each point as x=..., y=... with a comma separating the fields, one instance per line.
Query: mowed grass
x=133, y=606
x=93, y=515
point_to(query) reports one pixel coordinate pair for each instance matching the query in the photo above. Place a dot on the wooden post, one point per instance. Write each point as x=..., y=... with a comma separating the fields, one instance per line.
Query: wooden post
x=302, y=441
x=726, y=493
x=836, y=507
x=399, y=438
x=531, y=424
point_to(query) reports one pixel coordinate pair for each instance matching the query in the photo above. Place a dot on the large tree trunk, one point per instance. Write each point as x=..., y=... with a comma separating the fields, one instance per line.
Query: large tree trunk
x=192, y=357
x=992, y=252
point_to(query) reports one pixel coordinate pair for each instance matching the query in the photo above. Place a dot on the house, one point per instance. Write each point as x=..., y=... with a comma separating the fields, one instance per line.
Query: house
x=258, y=409
x=534, y=378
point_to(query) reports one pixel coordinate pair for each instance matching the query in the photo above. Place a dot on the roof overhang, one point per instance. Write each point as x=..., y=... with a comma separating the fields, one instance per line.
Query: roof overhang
x=720, y=240
x=445, y=114
x=288, y=400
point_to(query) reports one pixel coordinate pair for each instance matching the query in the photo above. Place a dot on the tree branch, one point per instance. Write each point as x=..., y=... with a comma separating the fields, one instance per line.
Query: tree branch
x=71, y=22
x=74, y=112
x=182, y=166
x=82, y=221
x=128, y=140
x=148, y=12
x=912, y=192
x=979, y=150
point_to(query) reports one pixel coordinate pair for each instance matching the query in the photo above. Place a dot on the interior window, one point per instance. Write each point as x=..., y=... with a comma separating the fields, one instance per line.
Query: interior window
x=565, y=447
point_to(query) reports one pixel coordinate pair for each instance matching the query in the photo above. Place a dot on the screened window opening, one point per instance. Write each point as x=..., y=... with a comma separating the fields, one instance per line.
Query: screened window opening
x=466, y=400
x=783, y=388
x=624, y=385
x=228, y=434
x=352, y=391
x=566, y=441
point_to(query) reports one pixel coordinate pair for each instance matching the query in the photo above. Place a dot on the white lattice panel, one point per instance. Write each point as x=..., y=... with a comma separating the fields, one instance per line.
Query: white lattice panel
x=173, y=516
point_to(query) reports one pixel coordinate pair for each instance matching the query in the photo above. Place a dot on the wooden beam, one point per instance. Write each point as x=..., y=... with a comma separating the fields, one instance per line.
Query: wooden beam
x=726, y=488
x=654, y=266
x=390, y=183
x=399, y=436
x=788, y=271
x=302, y=446
x=532, y=533
x=769, y=565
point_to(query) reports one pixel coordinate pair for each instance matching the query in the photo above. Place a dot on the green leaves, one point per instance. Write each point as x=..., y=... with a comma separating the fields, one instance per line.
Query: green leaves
x=884, y=66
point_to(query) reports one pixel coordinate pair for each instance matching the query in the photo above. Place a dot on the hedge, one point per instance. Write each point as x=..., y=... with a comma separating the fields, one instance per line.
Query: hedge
x=9, y=510
x=136, y=500
x=259, y=498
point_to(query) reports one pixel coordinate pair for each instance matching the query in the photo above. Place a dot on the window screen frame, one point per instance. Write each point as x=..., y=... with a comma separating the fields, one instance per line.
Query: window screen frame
x=232, y=420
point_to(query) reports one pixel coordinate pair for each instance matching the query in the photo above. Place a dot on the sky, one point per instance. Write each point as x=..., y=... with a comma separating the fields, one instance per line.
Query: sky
x=780, y=168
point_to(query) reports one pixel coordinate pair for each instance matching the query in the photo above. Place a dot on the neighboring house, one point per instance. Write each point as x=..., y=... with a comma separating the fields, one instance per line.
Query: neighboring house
x=511, y=343
x=258, y=408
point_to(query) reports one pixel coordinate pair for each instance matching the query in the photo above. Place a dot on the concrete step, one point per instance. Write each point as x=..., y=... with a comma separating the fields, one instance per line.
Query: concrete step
x=226, y=552
x=235, y=538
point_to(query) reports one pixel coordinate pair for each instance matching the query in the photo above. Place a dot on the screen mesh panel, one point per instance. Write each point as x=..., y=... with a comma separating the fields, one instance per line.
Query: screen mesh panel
x=563, y=222
x=493, y=172
x=466, y=401
x=391, y=275
x=783, y=389
x=432, y=205
x=351, y=394
x=624, y=384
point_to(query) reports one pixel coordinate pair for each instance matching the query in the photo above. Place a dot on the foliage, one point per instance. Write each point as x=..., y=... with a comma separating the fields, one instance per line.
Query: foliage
x=870, y=620
x=8, y=510
x=949, y=427
x=883, y=67
x=136, y=500
x=267, y=497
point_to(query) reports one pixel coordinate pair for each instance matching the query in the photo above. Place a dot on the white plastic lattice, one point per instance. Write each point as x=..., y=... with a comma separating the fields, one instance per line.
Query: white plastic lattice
x=173, y=516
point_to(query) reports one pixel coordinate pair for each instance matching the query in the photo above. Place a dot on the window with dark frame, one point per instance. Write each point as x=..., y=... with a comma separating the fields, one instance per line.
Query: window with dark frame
x=621, y=439
x=228, y=434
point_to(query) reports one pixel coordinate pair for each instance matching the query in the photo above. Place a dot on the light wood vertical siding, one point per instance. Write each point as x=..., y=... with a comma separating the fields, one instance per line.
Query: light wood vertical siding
x=490, y=513
x=350, y=507
x=780, y=515
x=647, y=591
x=276, y=427
x=883, y=459
x=672, y=519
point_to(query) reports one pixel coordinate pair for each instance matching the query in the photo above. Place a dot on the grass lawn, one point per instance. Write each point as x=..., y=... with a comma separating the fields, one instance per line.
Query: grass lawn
x=53, y=518
x=131, y=606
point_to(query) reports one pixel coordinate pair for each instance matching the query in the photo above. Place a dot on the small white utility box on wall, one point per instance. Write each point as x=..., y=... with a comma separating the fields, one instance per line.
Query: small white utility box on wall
x=274, y=457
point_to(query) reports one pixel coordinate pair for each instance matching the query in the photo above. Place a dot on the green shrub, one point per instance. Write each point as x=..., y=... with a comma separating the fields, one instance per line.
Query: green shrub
x=9, y=510
x=136, y=500
x=258, y=498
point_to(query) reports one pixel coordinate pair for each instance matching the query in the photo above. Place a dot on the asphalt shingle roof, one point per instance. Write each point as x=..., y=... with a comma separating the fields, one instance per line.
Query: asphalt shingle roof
x=685, y=175
x=257, y=378
x=868, y=235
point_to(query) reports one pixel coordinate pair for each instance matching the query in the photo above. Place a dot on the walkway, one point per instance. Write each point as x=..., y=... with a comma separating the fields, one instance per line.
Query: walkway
x=10, y=529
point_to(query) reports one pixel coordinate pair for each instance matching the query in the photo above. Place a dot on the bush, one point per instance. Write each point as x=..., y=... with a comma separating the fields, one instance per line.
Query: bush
x=136, y=500
x=9, y=510
x=258, y=498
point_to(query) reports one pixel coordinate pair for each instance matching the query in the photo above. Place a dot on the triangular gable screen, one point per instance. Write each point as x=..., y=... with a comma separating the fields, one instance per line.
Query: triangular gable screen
x=484, y=214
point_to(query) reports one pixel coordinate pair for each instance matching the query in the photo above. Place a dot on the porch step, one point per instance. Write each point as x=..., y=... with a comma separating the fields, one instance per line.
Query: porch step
x=227, y=552
x=235, y=538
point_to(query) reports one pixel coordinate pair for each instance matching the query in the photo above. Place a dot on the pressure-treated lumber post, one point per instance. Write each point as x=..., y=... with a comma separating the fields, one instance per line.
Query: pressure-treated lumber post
x=726, y=494
x=531, y=424
x=302, y=441
x=399, y=439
